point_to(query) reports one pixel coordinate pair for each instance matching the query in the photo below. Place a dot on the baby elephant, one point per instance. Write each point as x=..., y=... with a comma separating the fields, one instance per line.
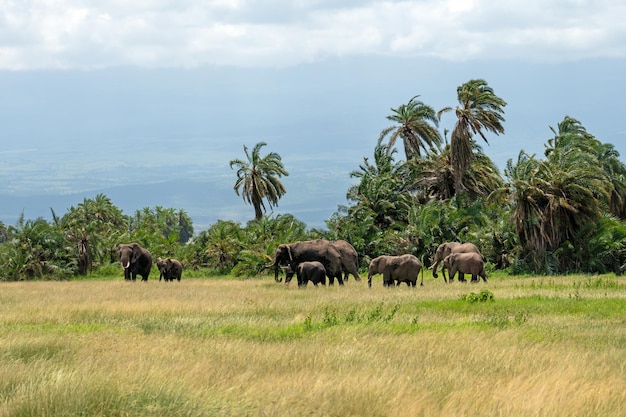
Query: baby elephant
x=312, y=271
x=467, y=263
x=404, y=268
x=170, y=268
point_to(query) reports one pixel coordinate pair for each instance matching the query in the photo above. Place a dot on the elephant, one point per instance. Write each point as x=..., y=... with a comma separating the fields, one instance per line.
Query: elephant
x=469, y=263
x=135, y=260
x=403, y=268
x=309, y=250
x=448, y=248
x=349, y=259
x=307, y=271
x=171, y=269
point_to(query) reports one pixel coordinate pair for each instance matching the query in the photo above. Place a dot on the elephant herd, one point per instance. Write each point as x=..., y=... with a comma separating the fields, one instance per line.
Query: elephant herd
x=314, y=260
x=138, y=261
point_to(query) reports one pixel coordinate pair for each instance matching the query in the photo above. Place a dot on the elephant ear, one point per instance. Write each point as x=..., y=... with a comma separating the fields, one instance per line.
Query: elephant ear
x=136, y=250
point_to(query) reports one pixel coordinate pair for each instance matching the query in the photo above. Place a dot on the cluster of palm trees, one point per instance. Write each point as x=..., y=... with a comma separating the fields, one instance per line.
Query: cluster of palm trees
x=564, y=212
x=85, y=239
x=560, y=212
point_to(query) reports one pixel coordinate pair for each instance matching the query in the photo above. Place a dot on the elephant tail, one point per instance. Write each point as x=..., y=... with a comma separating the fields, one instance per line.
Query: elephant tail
x=422, y=272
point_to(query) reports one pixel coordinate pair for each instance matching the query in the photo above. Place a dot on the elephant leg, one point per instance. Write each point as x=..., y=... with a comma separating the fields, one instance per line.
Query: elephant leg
x=387, y=280
x=339, y=279
x=474, y=278
x=461, y=277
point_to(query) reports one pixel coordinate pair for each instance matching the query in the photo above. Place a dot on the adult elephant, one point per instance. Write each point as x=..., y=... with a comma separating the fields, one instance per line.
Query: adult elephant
x=469, y=263
x=448, y=248
x=349, y=259
x=398, y=269
x=309, y=250
x=171, y=269
x=312, y=271
x=135, y=260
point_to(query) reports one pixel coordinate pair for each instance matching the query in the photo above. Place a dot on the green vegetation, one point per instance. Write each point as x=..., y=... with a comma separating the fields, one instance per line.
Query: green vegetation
x=258, y=177
x=522, y=346
x=563, y=212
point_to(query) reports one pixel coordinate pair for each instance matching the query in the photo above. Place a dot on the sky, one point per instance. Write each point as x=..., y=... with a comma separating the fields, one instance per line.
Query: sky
x=107, y=95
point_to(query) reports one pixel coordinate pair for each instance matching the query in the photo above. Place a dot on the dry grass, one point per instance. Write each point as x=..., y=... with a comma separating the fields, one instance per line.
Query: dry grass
x=544, y=347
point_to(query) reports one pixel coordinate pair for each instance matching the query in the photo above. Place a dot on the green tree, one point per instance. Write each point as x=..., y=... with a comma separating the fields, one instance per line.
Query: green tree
x=571, y=133
x=93, y=227
x=161, y=229
x=433, y=177
x=36, y=250
x=417, y=127
x=555, y=200
x=258, y=178
x=379, y=206
x=479, y=111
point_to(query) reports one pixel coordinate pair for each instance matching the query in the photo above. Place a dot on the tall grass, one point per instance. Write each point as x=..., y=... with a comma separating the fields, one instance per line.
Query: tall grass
x=517, y=346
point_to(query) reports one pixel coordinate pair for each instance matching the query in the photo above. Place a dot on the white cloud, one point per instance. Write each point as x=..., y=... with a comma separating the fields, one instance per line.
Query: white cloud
x=45, y=34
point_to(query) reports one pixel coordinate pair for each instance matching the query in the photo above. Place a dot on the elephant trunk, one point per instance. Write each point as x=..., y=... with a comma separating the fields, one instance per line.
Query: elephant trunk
x=434, y=268
x=276, y=268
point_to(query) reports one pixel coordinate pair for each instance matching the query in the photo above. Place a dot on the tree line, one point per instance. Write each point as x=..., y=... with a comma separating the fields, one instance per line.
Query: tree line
x=563, y=211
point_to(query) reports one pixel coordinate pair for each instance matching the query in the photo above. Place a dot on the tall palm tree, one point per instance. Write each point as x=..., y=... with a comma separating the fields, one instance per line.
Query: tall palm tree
x=479, y=111
x=417, y=127
x=570, y=133
x=258, y=178
x=433, y=178
x=555, y=200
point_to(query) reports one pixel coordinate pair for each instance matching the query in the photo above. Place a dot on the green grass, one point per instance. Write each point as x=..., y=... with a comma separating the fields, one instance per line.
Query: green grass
x=523, y=346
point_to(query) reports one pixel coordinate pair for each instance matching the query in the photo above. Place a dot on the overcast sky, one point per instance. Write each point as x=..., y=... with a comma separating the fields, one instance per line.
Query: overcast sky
x=66, y=34
x=313, y=79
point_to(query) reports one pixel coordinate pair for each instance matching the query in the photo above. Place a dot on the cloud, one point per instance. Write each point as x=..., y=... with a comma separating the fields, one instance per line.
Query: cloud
x=60, y=34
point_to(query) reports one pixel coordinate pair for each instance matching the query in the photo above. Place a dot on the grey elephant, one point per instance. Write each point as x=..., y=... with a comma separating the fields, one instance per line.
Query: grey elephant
x=307, y=271
x=171, y=269
x=135, y=260
x=468, y=263
x=310, y=250
x=349, y=259
x=448, y=248
x=395, y=269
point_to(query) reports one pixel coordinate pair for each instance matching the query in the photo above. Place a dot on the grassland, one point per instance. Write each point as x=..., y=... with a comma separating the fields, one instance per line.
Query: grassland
x=515, y=346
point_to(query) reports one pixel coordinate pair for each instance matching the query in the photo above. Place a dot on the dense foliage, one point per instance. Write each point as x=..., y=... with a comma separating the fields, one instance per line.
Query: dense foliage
x=564, y=211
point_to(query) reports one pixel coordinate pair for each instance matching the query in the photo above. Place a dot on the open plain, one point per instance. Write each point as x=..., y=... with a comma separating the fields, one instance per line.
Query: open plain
x=515, y=346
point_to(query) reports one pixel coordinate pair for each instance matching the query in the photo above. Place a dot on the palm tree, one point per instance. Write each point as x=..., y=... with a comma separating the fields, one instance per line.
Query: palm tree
x=571, y=133
x=433, y=177
x=417, y=127
x=480, y=111
x=556, y=200
x=258, y=177
x=93, y=226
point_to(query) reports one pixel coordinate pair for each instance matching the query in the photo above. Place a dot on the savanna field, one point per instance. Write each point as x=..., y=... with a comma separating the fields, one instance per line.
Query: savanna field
x=514, y=346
